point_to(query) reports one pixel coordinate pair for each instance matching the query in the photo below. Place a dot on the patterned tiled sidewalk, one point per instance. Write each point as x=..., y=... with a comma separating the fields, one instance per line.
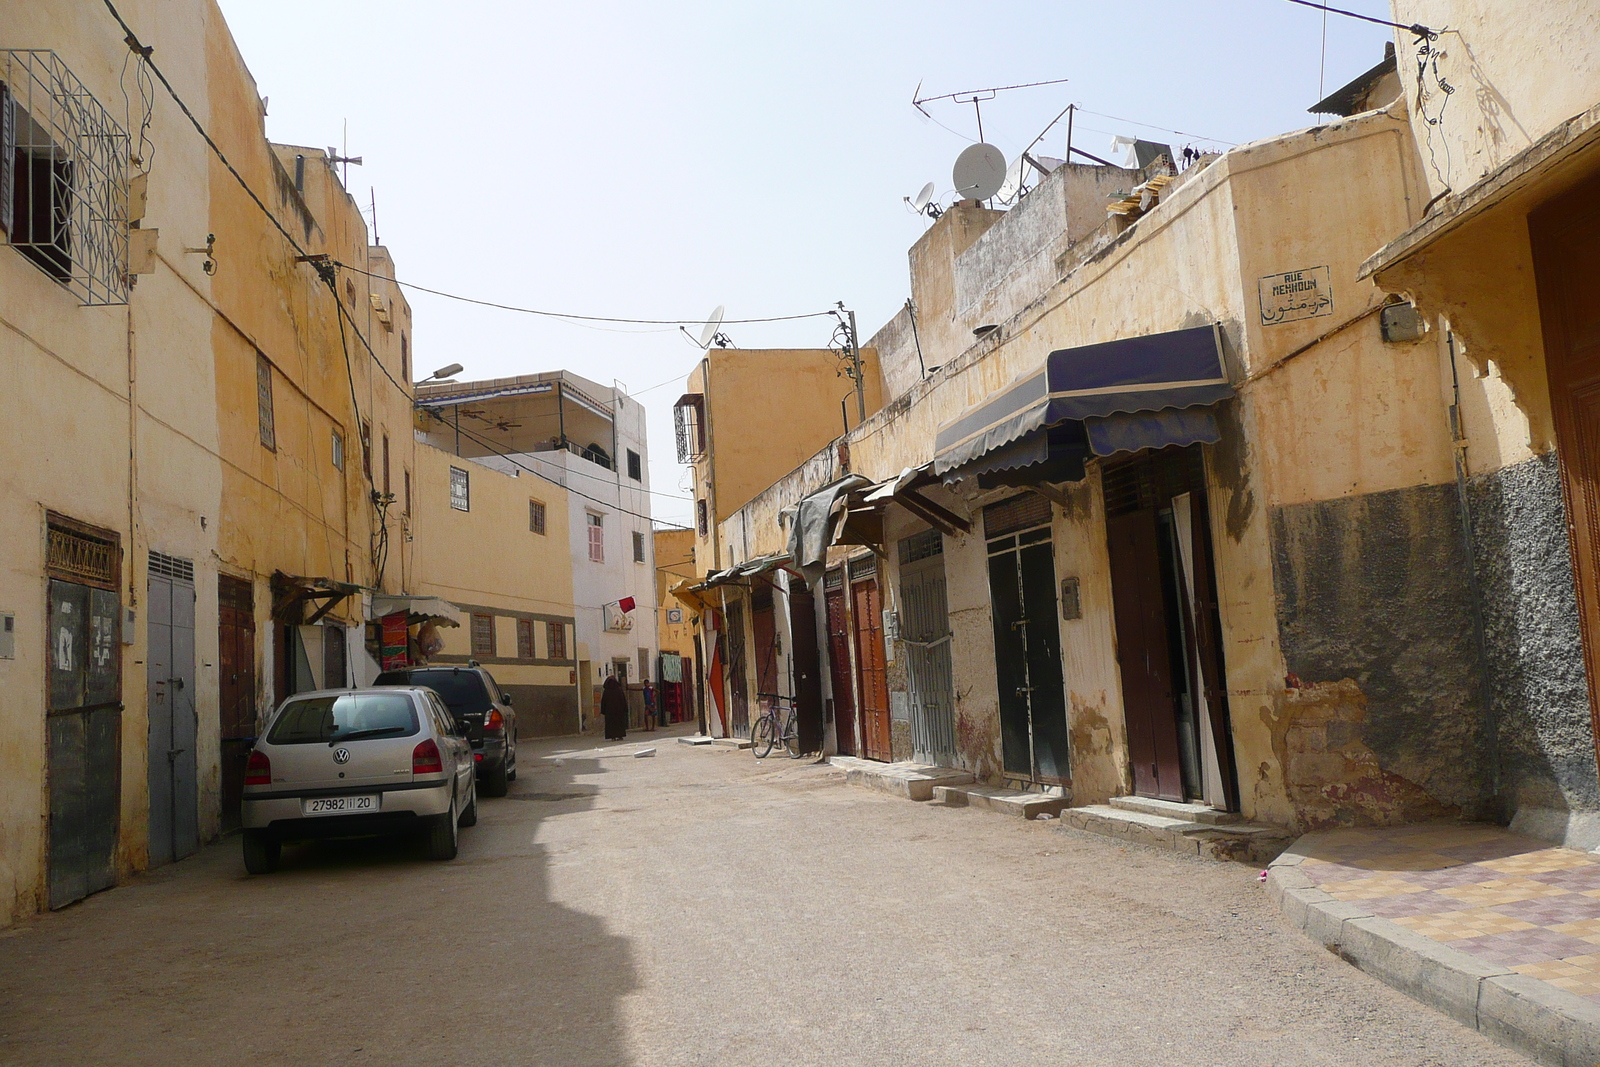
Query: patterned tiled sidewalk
x=1506, y=899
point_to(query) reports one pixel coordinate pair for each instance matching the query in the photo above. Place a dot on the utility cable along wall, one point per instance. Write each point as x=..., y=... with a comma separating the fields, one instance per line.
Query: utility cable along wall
x=63, y=177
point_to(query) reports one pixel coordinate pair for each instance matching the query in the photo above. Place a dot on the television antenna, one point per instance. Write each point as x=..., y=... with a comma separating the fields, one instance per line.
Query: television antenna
x=974, y=97
x=979, y=172
x=923, y=203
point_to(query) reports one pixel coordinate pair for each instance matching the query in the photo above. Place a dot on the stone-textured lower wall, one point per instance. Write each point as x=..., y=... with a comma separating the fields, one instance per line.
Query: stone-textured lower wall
x=544, y=710
x=1381, y=719
x=1532, y=644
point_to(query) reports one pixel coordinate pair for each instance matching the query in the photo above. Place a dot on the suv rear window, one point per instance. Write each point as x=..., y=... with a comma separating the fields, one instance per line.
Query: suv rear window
x=349, y=716
x=462, y=689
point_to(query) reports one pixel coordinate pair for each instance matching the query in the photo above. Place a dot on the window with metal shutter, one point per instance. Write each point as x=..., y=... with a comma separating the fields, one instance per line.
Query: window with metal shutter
x=483, y=635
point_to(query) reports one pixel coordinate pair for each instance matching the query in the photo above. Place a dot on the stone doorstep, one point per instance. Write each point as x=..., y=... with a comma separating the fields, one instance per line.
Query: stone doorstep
x=1250, y=843
x=1202, y=813
x=696, y=740
x=914, y=781
x=1005, y=801
x=1533, y=1017
x=731, y=742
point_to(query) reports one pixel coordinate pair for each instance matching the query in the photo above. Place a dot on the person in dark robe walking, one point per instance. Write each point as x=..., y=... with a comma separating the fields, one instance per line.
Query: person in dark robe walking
x=614, y=706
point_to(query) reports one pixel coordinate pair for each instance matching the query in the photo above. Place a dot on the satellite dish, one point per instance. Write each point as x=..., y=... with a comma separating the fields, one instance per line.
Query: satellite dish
x=709, y=334
x=979, y=171
x=1011, y=189
x=920, y=203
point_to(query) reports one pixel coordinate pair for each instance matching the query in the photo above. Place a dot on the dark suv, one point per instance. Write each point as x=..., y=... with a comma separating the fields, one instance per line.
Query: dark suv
x=483, y=711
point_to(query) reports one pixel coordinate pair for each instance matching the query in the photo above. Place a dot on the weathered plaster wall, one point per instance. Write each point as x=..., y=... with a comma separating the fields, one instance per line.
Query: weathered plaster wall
x=1097, y=730
x=1384, y=719
x=1518, y=70
x=1534, y=659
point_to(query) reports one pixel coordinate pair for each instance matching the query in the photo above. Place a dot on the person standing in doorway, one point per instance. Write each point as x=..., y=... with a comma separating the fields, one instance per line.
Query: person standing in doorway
x=649, y=705
x=614, y=707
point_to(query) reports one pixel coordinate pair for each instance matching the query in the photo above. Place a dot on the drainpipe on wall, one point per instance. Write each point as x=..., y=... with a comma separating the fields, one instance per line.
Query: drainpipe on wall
x=1458, y=443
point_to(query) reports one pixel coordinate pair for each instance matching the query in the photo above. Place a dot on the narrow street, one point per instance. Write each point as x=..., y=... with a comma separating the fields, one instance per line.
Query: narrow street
x=701, y=907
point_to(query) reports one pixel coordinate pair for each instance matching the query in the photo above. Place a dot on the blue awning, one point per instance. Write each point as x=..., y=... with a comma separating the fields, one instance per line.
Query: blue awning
x=1140, y=392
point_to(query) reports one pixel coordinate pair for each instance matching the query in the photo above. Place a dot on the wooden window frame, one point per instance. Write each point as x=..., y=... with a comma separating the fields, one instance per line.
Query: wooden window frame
x=536, y=517
x=638, y=547
x=635, y=465
x=555, y=640
x=525, y=649
x=596, y=525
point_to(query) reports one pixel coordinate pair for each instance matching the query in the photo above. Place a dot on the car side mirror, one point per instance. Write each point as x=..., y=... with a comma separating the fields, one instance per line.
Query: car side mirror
x=509, y=701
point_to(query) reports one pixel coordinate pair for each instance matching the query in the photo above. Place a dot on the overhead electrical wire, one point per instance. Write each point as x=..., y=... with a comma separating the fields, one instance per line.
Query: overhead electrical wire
x=565, y=315
x=1416, y=28
x=144, y=51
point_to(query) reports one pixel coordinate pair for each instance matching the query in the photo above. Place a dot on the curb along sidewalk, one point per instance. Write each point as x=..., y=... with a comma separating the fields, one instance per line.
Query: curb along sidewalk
x=1499, y=931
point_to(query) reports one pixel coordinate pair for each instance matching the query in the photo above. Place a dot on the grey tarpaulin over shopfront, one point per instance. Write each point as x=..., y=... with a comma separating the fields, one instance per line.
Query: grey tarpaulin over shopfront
x=811, y=525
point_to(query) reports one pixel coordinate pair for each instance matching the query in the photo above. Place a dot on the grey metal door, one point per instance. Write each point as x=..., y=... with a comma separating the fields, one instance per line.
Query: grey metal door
x=174, y=805
x=84, y=724
x=925, y=631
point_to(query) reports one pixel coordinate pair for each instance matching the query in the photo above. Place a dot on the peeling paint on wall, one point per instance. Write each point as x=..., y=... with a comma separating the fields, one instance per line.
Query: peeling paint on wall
x=1331, y=777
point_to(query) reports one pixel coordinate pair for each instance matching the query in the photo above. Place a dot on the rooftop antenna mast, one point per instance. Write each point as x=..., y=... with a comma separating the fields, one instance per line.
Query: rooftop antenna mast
x=973, y=97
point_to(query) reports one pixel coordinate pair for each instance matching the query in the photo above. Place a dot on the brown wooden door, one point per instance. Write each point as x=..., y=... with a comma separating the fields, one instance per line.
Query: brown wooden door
x=236, y=650
x=872, y=670
x=763, y=628
x=844, y=694
x=1566, y=256
x=1143, y=655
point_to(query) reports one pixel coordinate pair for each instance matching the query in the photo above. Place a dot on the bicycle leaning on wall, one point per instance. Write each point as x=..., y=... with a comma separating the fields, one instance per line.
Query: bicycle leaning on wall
x=770, y=729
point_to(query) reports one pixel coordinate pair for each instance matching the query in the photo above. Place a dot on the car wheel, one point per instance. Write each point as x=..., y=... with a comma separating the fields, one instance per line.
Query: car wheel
x=261, y=853
x=469, y=814
x=495, y=780
x=443, y=834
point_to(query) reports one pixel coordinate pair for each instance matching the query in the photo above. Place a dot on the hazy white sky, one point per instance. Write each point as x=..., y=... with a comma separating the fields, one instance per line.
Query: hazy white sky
x=651, y=160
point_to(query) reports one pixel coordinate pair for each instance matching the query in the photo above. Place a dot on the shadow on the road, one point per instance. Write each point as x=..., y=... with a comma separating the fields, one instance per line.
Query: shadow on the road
x=355, y=951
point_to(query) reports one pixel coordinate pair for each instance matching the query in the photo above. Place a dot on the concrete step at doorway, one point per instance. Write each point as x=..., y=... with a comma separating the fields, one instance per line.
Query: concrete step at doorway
x=1251, y=843
x=1012, y=802
x=914, y=781
x=1202, y=813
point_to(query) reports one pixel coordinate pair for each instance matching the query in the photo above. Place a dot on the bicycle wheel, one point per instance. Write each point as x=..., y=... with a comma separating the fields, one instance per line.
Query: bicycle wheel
x=763, y=737
x=791, y=736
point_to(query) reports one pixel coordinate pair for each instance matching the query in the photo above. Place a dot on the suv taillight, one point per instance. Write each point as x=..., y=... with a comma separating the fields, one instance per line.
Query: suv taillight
x=259, y=770
x=425, y=759
x=494, y=722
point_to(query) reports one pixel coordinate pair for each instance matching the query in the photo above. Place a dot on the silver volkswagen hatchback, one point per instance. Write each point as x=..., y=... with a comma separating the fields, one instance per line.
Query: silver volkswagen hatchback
x=354, y=762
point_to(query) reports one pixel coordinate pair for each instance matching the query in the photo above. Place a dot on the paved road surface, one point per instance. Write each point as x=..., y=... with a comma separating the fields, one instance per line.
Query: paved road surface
x=699, y=907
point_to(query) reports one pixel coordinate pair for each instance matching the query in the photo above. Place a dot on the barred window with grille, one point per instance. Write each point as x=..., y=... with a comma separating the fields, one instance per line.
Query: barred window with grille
x=689, y=417
x=63, y=177
x=555, y=635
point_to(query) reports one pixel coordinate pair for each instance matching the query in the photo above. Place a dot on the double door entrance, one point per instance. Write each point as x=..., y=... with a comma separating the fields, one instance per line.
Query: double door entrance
x=1027, y=640
x=857, y=665
x=1167, y=628
x=83, y=720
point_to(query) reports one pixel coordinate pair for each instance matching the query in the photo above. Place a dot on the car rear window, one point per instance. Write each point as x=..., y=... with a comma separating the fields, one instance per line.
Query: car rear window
x=327, y=718
x=462, y=690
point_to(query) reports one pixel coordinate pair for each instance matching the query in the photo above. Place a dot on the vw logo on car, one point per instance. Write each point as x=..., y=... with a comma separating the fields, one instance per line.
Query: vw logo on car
x=341, y=756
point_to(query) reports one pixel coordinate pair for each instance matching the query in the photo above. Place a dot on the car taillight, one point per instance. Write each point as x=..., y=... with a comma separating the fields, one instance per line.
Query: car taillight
x=494, y=722
x=425, y=758
x=259, y=770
